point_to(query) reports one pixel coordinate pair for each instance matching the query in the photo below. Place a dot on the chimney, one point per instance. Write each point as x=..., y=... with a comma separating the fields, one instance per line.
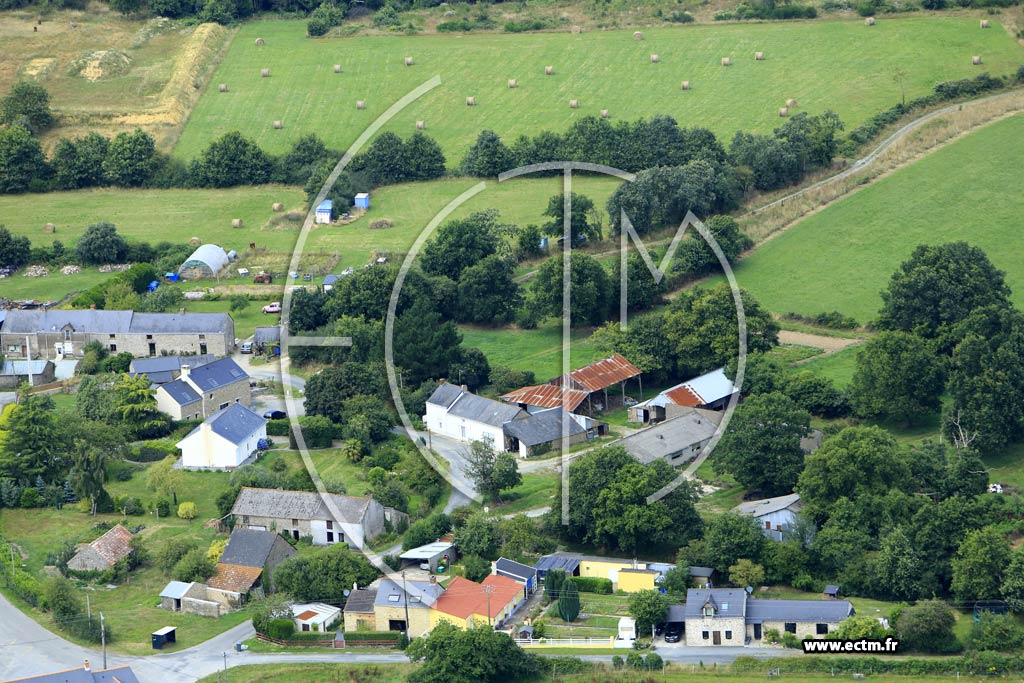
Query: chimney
x=442, y=381
x=465, y=388
x=433, y=579
x=86, y=667
x=355, y=585
x=185, y=369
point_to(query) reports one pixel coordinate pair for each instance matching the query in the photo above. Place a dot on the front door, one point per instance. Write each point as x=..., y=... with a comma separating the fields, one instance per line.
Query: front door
x=757, y=631
x=152, y=348
x=716, y=637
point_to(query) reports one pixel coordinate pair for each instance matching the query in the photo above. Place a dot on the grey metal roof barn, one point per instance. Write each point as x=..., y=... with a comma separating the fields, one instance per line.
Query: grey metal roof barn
x=249, y=548
x=206, y=261
x=542, y=427
x=668, y=438
x=278, y=504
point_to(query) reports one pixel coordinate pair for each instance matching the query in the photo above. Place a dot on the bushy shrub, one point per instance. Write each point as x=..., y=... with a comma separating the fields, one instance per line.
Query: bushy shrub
x=523, y=25
x=593, y=584
x=282, y=629
x=278, y=428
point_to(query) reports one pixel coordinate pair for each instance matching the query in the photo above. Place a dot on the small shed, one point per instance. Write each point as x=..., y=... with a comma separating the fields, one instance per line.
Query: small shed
x=324, y=212
x=329, y=281
x=315, y=616
x=831, y=592
x=173, y=593
x=518, y=572
x=701, y=576
x=362, y=200
x=206, y=261
x=165, y=635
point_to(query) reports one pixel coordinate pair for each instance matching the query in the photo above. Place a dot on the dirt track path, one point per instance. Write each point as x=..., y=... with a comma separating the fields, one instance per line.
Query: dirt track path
x=828, y=345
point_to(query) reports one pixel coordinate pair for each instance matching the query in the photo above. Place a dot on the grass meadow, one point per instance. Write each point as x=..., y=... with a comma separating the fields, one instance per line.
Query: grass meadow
x=842, y=257
x=839, y=65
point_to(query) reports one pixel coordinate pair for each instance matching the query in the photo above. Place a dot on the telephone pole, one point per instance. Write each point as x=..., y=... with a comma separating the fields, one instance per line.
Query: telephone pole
x=103, y=638
x=488, y=590
x=405, y=599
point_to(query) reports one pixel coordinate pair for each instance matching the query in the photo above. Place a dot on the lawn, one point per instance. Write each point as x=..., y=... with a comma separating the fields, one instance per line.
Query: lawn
x=131, y=608
x=842, y=257
x=602, y=69
x=539, y=350
x=285, y=673
x=837, y=367
x=537, y=490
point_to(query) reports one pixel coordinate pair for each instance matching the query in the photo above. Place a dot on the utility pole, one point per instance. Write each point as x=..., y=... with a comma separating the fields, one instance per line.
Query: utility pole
x=225, y=667
x=88, y=608
x=405, y=599
x=488, y=590
x=103, y=638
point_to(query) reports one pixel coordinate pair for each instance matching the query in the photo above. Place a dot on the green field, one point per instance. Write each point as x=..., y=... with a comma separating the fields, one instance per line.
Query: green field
x=839, y=65
x=539, y=350
x=842, y=257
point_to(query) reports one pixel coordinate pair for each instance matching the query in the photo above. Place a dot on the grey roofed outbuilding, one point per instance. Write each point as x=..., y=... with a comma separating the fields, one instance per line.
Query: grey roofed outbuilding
x=236, y=423
x=92, y=321
x=330, y=279
x=486, y=410
x=180, y=323
x=831, y=589
x=360, y=601
x=567, y=563
x=217, y=374
x=543, y=426
x=161, y=369
x=514, y=569
x=444, y=395
x=181, y=392
x=422, y=594
x=728, y=602
x=175, y=590
x=819, y=611
x=766, y=506
x=24, y=367
x=266, y=335
x=702, y=572
x=278, y=504
x=669, y=437
x=426, y=552
x=249, y=547
x=120, y=674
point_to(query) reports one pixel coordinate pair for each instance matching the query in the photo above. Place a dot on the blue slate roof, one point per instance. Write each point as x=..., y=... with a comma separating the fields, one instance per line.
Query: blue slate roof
x=250, y=548
x=818, y=611
x=542, y=427
x=161, y=369
x=330, y=279
x=514, y=569
x=23, y=367
x=236, y=423
x=110, y=322
x=445, y=394
x=122, y=673
x=549, y=562
x=422, y=594
x=181, y=392
x=217, y=374
x=728, y=602
x=325, y=205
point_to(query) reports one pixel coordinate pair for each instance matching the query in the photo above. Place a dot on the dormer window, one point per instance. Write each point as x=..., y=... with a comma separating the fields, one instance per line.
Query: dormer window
x=67, y=334
x=709, y=611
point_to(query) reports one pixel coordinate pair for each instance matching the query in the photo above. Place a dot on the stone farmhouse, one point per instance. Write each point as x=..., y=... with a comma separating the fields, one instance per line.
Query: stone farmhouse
x=200, y=392
x=53, y=334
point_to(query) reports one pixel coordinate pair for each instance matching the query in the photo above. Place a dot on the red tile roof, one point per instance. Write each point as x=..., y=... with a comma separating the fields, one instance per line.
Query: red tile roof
x=308, y=614
x=546, y=396
x=464, y=598
x=604, y=373
x=234, y=577
x=113, y=545
x=684, y=396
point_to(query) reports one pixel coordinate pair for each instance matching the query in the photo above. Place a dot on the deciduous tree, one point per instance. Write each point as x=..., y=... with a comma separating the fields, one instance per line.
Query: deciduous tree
x=898, y=377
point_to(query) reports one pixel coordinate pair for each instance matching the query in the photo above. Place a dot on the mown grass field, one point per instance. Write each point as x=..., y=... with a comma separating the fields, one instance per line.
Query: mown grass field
x=838, y=65
x=539, y=350
x=843, y=256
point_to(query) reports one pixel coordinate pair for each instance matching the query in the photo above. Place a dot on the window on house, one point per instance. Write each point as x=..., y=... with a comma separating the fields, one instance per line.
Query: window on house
x=330, y=537
x=67, y=335
x=728, y=635
x=113, y=348
x=202, y=337
x=13, y=348
x=305, y=627
x=222, y=405
x=821, y=629
x=330, y=524
x=111, y=336
x=709, y=611
x=245, y=519
x=148, y=337
x=790, y=627
x=295, y=522
x=705, y=635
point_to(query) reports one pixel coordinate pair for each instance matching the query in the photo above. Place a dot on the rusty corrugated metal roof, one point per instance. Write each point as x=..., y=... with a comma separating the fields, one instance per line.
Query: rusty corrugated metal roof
x=603, y=373
x=546, y=396
x=684, y=396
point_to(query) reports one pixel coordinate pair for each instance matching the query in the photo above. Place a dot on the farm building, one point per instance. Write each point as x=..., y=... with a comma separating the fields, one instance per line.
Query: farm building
x=324, y=212
x=711, y=391
x=104, y=552
x=362, y=201
x=523, y=574
x=14, y=372
x=676, y=441
x=584, y=390
x=430, y=554
x=775, y=515
x=206, y=261
x=329, y=281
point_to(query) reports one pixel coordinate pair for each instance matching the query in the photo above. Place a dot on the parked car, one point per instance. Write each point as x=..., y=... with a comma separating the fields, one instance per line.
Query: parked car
x=674, y=632
x=275, y=415
x=246, y=347
x=272, y=308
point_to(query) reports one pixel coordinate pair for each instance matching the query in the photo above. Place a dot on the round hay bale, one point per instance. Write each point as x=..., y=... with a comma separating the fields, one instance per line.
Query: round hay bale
x=790, y=103
x=604, y=113
x=726, y=61
x=758, y=56
x=420, y=125
x=260, y=41
x=360, y=104
x=470, y=101
x=277, y=125
x=277, y=207
x=49, y=228
x=408, y=61
x=265, y=73
x=784, y=111
x=574, y=104
x=984, y=23
x=236, y=222
x=549, y=70
x=655, y=59
x=194, y=242
x=976, y=60
x=223, y=87
x=337, y=68
x=685, y=85
x=513, y=83
x=870, y=21
x=637, y=35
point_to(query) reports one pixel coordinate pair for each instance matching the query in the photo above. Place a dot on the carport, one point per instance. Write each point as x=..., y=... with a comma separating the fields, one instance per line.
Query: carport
x=431, y=553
